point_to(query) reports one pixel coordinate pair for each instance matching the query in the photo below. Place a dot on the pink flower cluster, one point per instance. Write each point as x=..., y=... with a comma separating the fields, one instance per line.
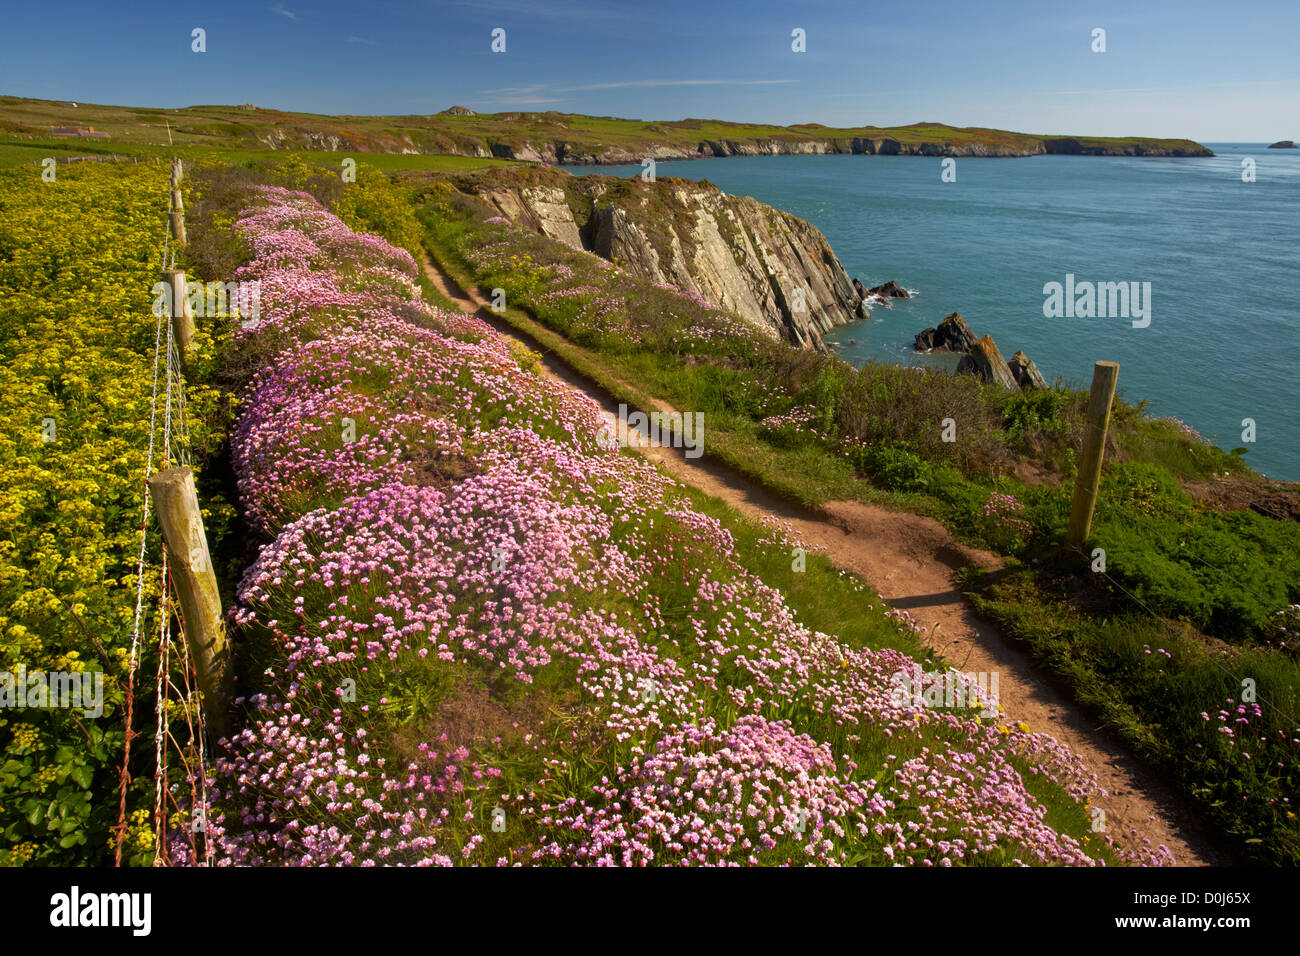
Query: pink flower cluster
x=472, y=526
x=1003, y=511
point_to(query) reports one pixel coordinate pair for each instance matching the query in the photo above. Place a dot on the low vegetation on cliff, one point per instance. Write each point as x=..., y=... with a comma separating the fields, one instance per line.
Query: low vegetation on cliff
x=1213, y=591
x=472, y=633
x=540, y=137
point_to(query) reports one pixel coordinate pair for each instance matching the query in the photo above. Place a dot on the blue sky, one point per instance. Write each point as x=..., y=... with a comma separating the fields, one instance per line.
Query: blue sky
x=1212, y=71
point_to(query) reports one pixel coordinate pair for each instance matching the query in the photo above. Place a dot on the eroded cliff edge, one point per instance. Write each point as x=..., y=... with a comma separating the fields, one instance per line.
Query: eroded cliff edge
x=774, y=270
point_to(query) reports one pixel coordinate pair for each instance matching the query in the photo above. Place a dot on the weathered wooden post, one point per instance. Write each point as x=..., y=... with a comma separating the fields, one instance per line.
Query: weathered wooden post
x=182, y=315
x=176, y=217
x=176, y=222
x=177, y=505
x=1086, y=483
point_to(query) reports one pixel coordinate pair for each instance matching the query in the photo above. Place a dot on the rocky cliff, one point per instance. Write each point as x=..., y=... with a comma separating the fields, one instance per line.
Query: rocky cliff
x=561, y=152
x=772, y=269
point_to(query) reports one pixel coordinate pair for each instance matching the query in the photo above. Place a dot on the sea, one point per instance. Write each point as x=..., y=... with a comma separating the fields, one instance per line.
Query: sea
x=1212, y=240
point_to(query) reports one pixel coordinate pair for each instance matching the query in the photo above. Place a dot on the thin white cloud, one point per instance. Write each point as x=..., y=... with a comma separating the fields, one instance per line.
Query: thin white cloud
x=624, y=84
x=364, y=40
x=280, y=9
x=511, y=91
x=646, y=83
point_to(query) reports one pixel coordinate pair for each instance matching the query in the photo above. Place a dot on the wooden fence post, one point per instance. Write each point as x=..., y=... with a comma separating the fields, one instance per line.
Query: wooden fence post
x=176, y=221
x=176, y=218
x=1104, y=375
x=177, y=505
x=182, y=315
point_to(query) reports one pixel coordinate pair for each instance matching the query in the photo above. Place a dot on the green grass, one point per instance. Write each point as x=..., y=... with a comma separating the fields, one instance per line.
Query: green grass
x=13, y=154
x=15, y=151
x=235, y=127
x=1165, y=553
x=410, y=698
x=1112, y=662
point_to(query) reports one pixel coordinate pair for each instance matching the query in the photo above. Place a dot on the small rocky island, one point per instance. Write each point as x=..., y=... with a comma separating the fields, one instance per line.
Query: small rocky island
x=980, y=357
x=1283, y=144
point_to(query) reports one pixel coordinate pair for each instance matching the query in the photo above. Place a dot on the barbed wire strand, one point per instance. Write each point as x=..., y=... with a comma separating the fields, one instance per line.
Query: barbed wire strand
x=124, y=775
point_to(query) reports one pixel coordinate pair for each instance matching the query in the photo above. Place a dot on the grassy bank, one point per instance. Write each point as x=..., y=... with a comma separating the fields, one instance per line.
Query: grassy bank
x=23, y=151
x=250, y=127
x=815, y=429
x=456, y=613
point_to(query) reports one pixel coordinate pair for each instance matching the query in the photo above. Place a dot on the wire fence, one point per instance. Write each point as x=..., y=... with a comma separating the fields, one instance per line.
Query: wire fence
x=179, y=729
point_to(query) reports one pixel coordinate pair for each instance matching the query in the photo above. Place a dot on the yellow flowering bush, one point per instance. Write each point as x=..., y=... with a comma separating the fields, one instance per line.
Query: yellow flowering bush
x=78, y=260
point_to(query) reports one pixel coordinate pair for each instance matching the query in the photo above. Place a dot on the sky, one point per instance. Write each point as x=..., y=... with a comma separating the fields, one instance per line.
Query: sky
x=1205, y=70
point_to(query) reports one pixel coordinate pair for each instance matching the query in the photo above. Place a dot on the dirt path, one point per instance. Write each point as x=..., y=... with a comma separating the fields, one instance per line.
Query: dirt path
x=912, y=561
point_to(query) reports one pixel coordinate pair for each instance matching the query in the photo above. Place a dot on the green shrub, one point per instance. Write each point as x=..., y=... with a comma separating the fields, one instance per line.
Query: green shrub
x=1202, y=572
x=896, y=466
x=1146, y=491
x=1033, y=412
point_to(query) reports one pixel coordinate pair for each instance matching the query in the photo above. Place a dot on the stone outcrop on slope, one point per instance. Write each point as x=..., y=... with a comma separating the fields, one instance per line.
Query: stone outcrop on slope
x=774, y=270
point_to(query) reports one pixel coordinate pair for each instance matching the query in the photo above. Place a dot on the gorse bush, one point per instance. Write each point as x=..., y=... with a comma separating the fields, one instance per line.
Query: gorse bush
x=896, y=465
x=1038, y=414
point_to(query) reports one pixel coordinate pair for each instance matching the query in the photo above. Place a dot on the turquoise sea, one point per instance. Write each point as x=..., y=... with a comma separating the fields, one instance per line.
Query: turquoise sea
x=1221, y=256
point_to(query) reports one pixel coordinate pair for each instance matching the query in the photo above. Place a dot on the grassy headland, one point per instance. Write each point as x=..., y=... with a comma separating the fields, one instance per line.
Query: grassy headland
x=550, y=136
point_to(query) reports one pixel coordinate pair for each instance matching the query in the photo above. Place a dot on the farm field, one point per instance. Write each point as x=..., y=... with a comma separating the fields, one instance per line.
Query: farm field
x=22, y=151
x=78, y=260
x=470, y=134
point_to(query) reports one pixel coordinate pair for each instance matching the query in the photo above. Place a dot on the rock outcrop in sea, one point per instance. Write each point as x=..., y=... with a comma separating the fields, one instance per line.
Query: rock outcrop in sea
x=980, y=357
x=951, y=335
x=890, y=290
x=1026, y=372
x=985, y=362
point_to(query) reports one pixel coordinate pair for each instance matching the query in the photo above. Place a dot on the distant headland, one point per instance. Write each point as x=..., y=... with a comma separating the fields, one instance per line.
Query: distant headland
x=551, y=138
